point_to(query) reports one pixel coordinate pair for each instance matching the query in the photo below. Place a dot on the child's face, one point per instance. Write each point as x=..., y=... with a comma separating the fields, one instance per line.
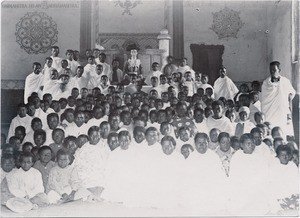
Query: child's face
x=224, y=144
x=165, y=97
x=257, y=136
x=63, y=161
x=235, y=145
x=259, y=119
x=58, y=137
x=152, y=137
x=217, y=110
x=81, y=140
x=115, y=64
x=20, y=134
x=45, y=156
x=284, y=157
x=71, y=146
x=139, y=136
x=90, y=60
x=39, y=140
x=213, y=135
x=198, y=116
x=154, y=81
x=94, y=137
x=22, y=111
x=163, y=80
x=79, y=119
x=153, y=117
x=7, y=165
x=151, y=103
x=27, y=148
x=167, y=147
x=70, y=117
x=84, y=93
x=243, y=116
x=185, y=152
x=296, y=159
x=248, y=146
x=201, y=145
x=54, y=75
x=188, y=76
x=26, y=163
x=79, y=72
x=53, y=122
x=54, y=52
x=124, y=142
x=49, y=63
x=75, y=93
x=165, y=129
x=69, y=55
x=126, y=119
x=104, y=131
x=64, y=63
x=114, y=122
x=104, y=80
x=204, y=80
x=99, y=69
x=231, y=117
x=184, y=135
x=113, y=142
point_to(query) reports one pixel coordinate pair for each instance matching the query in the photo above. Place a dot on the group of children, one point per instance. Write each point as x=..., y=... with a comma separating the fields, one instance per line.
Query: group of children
x=77, y=136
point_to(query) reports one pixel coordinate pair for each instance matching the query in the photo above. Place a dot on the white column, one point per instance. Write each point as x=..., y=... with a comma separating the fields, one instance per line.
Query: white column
x=164, y=44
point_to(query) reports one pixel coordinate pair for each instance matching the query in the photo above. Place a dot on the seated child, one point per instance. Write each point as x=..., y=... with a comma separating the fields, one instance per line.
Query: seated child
x=81, y=140
x=235, y=143
x=20, y=132
x=7, y=166
x=244, y=89
x=244, y=125
x=113, y=140
x=189, y=83
x=224, y=151
x=69, y=145
x=62, y=184
x=27, y=182
x=15, y=142
x=44, y=164
x=213, y=135
x=27, y=146
x=200, y=121
x=184, y=137
x=58, y=136
x=218, y=119
x=155, y=72
x=255, y=105
x=186, y=149
x=163, y=86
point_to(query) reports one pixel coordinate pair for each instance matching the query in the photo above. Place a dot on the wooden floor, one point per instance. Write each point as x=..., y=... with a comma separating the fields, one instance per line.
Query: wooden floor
x=100, y=209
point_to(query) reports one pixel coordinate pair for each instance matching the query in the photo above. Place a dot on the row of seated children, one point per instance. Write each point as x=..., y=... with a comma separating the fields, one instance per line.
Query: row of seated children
x=60, y=176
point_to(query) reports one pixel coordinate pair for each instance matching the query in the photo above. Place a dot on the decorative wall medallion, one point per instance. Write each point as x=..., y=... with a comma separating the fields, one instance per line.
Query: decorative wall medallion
x=36, y=32
x=127, y=5
x=226, y=23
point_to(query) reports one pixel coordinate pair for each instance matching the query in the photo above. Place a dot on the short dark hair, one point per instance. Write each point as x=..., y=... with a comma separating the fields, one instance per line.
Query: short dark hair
x=44, y=148
x=277, y=63
x=283, y=148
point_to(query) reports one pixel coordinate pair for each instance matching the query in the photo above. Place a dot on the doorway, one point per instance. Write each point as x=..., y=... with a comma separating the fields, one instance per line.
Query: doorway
x=207, y=59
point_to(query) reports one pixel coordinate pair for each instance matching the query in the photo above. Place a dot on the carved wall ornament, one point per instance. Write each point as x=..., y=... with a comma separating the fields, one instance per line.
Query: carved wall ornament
x=226, y=23
x=36, y=32
x=127, y=5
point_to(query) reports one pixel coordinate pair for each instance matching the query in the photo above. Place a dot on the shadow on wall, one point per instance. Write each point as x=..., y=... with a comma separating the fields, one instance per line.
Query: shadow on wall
x=10, y=98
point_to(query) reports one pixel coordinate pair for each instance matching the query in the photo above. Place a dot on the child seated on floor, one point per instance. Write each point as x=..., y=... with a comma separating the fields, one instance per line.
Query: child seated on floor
x=138, y=135
x=44, y=164
x=7, y=166
x=62, y=184
x=27, y=182
x=69, y=145
x=186, y=149
x=58, y=136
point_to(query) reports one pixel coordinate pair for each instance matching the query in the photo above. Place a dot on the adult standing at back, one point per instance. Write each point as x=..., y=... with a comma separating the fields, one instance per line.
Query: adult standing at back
x=224, y=87
x=277, y=93
x=34, y=82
